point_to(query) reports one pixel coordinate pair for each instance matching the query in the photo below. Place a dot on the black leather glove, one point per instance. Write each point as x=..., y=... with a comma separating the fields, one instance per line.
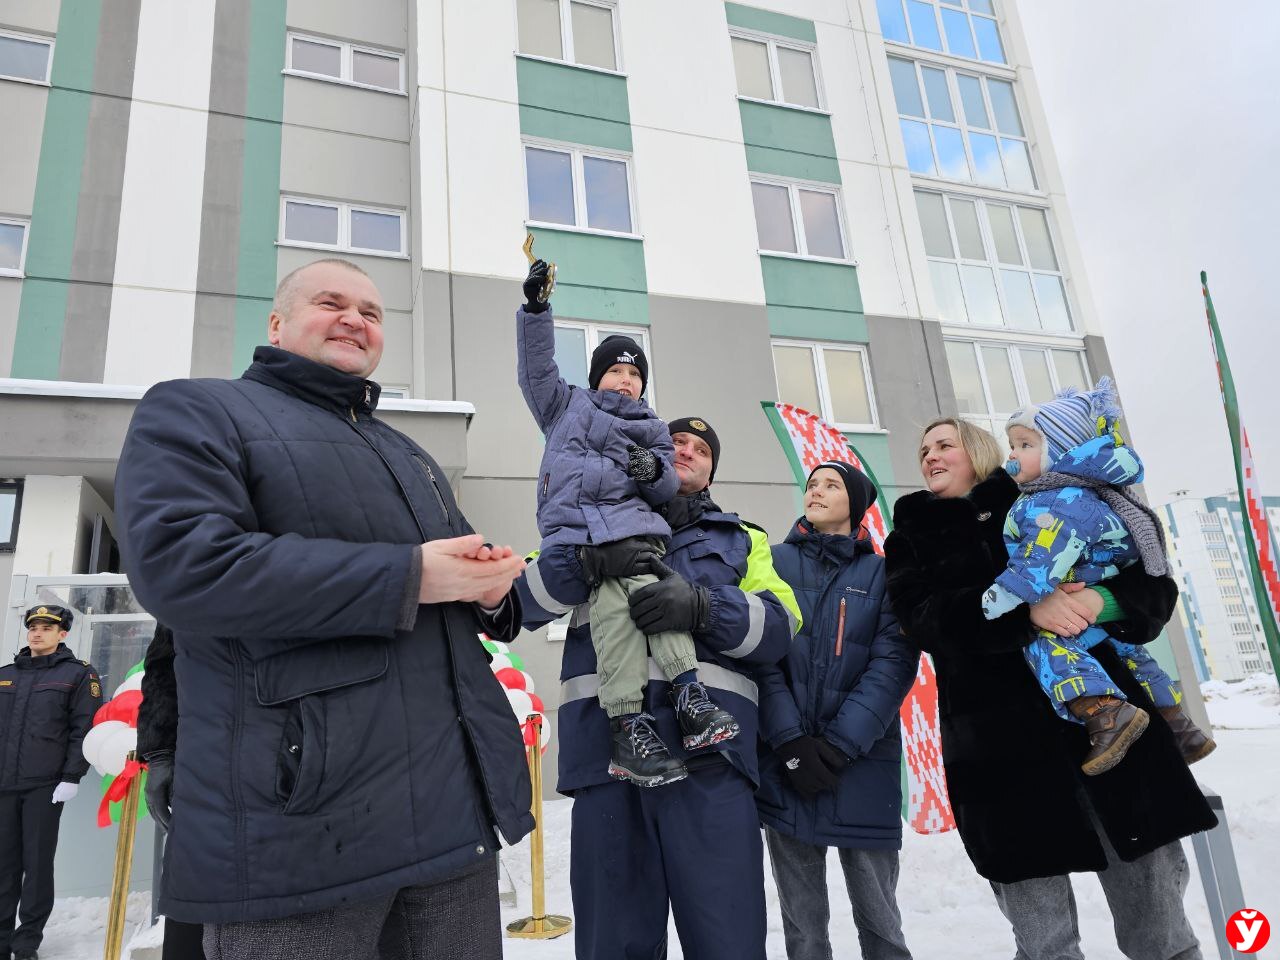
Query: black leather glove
x=533, y=283
x=671, y=604
x=631, y=557
x=160, y=787
x=642, y=464
x=806, y=769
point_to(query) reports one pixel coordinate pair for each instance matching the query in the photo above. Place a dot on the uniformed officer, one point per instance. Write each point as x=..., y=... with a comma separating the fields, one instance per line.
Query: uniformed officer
x=47, y=702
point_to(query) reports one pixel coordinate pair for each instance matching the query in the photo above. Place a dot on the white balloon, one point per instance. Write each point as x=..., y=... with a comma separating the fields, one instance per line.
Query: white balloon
x=94, y=739
x=528, y=682
x=130, y=683
x=500, y=646
x=521, y=704
x=113, y=752
x=500, y=662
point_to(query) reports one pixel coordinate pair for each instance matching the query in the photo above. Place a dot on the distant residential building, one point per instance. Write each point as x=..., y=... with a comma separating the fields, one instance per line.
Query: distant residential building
x=1211, y=564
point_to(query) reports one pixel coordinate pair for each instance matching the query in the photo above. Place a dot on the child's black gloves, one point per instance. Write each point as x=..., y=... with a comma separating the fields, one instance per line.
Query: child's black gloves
x=642, y=464
x=533, y=283
x=812, y=765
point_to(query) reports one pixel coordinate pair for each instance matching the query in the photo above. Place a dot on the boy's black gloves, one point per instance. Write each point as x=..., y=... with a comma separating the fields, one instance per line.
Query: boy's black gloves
x=159, y=790
x=642, y=464
x=533, y=283
x=631, y=557
x=812, y=765
x=671, y=604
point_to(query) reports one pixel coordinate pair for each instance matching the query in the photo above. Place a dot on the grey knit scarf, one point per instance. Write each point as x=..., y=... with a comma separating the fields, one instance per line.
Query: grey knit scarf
x=1140, y=520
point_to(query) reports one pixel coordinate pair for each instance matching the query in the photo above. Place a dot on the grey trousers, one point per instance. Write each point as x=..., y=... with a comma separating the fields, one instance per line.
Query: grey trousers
x=453, y=919
x=1145, y=898
x=871, y=877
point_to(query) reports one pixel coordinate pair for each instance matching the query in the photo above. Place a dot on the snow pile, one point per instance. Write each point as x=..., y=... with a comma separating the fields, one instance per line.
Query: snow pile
x=1249, y=704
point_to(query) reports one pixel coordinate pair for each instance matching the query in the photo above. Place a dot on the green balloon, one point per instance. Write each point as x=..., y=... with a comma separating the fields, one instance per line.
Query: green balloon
x=515, y=661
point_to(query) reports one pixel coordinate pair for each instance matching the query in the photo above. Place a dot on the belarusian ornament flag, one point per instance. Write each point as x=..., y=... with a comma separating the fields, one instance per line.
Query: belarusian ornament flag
x=1258, y=538
x=808, y=440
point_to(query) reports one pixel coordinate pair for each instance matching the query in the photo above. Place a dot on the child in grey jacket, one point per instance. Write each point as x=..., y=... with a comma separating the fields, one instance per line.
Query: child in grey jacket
x=606, y=465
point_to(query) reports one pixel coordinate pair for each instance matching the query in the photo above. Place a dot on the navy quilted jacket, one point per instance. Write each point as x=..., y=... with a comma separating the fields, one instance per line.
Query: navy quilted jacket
x=322, y=757
x=843, y=679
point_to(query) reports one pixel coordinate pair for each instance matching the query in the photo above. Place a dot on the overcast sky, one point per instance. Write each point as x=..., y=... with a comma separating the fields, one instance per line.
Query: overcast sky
x=1166, y=121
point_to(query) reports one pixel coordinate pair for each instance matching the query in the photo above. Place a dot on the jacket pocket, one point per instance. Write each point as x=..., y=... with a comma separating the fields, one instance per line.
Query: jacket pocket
x=301, y=683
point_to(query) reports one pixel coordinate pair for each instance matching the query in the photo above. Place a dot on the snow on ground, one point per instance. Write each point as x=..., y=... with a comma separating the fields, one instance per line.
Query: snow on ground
x=948, y=910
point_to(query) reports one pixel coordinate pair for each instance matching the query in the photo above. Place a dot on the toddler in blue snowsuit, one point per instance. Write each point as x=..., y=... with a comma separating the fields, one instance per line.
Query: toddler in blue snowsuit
x=1076, y=521
x=606, y=465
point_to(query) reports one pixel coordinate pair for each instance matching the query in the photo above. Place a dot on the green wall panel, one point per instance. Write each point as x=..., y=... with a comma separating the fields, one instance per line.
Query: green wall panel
x=260, y=181
x=598, y=278
x=874, y=449
x=788, y=142
x=563, y=102
x=42, y=312
x=805, y=323
x=766, y=21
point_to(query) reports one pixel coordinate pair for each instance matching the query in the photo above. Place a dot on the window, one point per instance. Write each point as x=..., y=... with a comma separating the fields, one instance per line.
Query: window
x=992, y=380
x=10, y=511
x=573, y=187
x=345, y=63
x=780, y=71
x=831, y=381
x=341, y=226
x=575, y=342
x=13, y=247
x=801, y=219
x=961, y=127
x=24, y=57
x=584, y=32
x=992, y=264
x=962, y=28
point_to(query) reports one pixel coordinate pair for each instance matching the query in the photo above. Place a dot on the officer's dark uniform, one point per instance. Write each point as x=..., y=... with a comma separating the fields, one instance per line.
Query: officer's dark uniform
x=46, y=707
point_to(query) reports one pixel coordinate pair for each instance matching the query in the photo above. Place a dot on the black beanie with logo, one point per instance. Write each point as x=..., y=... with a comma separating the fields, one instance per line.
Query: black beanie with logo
x=617, y=349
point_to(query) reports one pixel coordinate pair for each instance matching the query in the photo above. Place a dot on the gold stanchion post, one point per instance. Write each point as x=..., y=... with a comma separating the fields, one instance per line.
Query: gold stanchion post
x=124, y=863
x=540, y=926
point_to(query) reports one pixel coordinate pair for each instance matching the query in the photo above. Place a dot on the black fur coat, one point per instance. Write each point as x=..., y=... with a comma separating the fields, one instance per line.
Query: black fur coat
x=1012, y=766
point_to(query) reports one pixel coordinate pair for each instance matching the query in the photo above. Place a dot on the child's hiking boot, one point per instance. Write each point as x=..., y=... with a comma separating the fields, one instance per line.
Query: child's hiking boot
x=1193, y=743
x=1113, y=726
x=702, y=723
x=639, y=755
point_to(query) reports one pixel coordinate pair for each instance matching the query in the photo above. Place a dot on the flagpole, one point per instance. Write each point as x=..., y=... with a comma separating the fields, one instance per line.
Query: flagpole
x=1259, y=541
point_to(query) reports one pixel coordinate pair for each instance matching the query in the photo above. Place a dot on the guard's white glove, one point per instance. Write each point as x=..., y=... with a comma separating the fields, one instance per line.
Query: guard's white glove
x=65, y=791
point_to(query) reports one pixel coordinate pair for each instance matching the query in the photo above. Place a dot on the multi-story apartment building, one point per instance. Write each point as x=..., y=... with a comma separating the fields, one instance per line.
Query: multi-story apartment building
x=1219, y=606
x=847, y=204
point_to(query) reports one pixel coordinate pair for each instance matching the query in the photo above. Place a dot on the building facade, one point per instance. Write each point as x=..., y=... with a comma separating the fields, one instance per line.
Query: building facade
x=850, y=205
x=1219, y=609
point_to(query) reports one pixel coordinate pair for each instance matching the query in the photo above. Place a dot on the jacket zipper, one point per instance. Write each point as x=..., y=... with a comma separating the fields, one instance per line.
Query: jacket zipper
x=435, y=487
x=546, y=481
x=840, y=629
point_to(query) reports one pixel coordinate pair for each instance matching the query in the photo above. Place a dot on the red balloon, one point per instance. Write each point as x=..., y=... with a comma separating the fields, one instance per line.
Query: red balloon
x=511, y=678
x=537, y=703
x=123, y=707
x=103, y=714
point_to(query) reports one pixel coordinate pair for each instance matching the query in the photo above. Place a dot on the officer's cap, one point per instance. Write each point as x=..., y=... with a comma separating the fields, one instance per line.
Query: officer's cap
x=49, y=613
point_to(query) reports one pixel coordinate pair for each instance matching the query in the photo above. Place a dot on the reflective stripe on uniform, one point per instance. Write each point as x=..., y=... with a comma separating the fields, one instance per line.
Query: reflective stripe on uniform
x=538, y=590
x=714, y=676
x=755, y=628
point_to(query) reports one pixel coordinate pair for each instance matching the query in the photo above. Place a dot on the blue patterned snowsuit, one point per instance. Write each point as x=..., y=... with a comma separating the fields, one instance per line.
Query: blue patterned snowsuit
x=1070, y=535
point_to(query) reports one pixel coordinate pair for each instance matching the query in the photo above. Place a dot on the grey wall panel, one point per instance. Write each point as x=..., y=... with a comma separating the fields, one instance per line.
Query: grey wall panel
x=504, y=442
x=35, y=16
x=340, y=166
x=393, y=277
x=10, y=298
x=712, y=359
x=434, y=319
x=1095, y=349
x=383, y=24
x=22, y=120
x=84, y=340
x=332, y=106
x=214, y=335
x=912, y=386
x=397, y=354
